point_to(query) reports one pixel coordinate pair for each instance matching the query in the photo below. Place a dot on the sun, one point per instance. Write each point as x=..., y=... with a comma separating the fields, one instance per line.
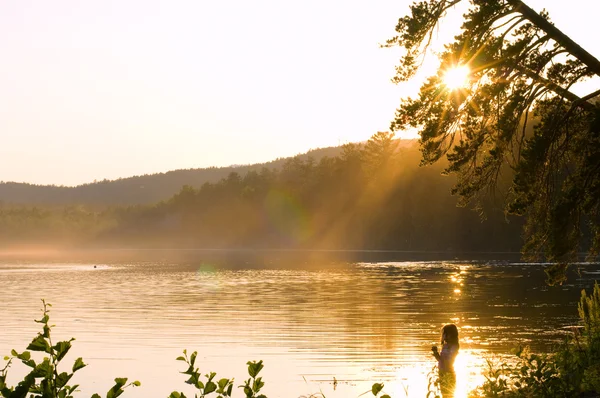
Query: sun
x=456, y=77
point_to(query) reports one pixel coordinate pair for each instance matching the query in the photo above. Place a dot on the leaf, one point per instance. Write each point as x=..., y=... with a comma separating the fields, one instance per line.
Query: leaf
x=120, y=381
x=46, y=388
x=62, y=379
x=24, y=356
x=189, y=371
x=44, y=369
x=117, y=389
x=39, y=343
x=210, y=387
x=258, y=384
x=136, y=383
x=72, y=389
x=112, y=393
x=78, y=364
x=62, y=348
x=376, y=388
x=254, y=368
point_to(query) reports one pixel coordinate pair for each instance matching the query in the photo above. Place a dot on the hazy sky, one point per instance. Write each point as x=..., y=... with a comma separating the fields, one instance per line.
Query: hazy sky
x=93, y=89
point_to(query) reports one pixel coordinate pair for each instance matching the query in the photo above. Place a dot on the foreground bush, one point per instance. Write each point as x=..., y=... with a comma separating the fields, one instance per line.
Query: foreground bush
x=44, y=379
x=224, y=387
x=572, y=370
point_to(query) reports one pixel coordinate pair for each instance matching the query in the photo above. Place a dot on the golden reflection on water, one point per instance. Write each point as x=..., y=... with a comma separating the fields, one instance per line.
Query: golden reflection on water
x=469, y=367
x=360, y=323
x=414, y=381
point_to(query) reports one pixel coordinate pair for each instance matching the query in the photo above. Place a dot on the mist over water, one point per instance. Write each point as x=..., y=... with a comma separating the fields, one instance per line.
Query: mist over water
x=358, y=322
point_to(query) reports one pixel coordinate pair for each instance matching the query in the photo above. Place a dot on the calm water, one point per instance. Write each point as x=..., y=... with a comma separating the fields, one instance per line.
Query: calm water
x=359, y=323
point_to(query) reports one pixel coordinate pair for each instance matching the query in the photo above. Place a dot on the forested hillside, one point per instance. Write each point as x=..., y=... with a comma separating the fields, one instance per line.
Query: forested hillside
x=149, y=188
x=371, y=196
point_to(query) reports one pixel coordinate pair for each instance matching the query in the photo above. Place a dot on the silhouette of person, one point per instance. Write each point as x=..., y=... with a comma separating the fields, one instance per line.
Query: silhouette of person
x=445, y=358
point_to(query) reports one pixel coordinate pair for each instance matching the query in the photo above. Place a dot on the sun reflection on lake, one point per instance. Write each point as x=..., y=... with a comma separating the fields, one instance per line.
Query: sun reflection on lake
x=469, y=372
x=416, y=381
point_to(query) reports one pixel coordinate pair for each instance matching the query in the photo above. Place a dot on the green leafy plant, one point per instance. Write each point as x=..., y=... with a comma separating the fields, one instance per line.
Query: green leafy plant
x=571, y=369
x=253, y=385
x=531, y=375
x=224, y=387
x=496, y=380
x=44, y=380
x=538, y=375
x=376, y=389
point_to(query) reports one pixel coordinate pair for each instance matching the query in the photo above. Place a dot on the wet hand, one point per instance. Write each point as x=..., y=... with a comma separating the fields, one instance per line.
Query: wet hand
x=434, y=349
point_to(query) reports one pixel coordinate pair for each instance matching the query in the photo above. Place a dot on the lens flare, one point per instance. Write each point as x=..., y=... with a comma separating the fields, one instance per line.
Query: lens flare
x=286, y=214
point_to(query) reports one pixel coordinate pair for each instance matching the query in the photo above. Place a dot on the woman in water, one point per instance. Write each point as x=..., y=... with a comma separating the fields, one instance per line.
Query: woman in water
x=446, y=357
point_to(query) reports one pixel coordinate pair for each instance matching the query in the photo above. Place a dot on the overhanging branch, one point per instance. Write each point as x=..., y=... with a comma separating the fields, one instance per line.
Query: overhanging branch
x=565, y=41
x=576, y=100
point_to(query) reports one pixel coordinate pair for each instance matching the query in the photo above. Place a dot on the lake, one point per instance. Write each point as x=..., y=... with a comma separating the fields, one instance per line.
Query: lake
x=358, y=322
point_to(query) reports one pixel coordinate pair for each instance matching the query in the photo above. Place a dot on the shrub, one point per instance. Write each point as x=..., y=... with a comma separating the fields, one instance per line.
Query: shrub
x=572, y=369
x=224, y=387
x=44, y=379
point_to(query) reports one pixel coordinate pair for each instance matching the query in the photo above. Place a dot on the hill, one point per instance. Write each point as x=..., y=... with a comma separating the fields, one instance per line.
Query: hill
x=144, y=189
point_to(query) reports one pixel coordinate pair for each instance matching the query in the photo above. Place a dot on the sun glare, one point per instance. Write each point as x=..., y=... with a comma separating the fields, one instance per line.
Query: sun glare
x=456, y=77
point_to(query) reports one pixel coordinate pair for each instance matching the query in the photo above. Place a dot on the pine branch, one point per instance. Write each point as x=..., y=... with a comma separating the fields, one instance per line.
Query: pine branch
x=565, y=41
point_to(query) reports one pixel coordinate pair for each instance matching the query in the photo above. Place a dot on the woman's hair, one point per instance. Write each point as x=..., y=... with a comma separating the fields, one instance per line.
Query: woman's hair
x=450, y=332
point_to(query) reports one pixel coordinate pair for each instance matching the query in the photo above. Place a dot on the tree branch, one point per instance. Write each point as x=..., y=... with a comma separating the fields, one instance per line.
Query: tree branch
x=565, y=41
x=557, y=89
x=591, y=95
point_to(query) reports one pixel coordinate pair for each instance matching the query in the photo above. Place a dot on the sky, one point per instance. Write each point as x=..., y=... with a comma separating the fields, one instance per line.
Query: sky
x=95, y=89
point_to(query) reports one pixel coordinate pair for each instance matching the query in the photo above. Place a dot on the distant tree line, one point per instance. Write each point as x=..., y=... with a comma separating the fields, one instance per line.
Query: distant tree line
x=371, y=196
x=143, y=189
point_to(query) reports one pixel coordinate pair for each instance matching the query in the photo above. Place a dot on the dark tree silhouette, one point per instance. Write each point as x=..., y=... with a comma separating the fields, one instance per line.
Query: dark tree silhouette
x=522, y=68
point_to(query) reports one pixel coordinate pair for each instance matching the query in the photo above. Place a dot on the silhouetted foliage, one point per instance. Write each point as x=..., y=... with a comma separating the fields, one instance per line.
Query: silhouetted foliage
x=571, y=370
x=521, y=65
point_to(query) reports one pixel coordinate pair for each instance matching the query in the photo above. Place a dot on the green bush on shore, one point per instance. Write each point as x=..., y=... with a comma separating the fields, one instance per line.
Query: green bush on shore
x=571, y=370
